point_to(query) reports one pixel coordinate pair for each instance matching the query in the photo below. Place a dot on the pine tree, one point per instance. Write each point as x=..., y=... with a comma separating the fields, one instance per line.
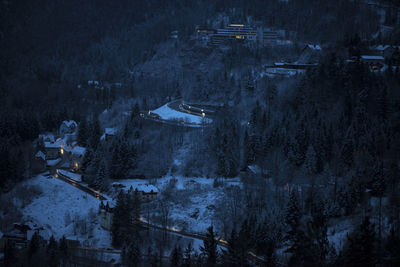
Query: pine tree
x=270, y=256
x=230, y=255
x=244, y=240
x=132, y=255
x=348, y=152
x=63, y=247
x=87, y=158
x=83, y=133
x=292, y=220
x=361, y=246
x=119, y=214
x=319, y=229
x=95, y=134
x=176, y=256
x=34, y=244
x=301, y=246
x=187, y=257
x=101, y=182
x=209, y=248
x=393, y=247
x=51, y=252
x=311, y=161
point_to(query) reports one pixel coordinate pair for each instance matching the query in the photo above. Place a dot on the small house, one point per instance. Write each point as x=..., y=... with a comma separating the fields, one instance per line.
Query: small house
x=68, y=127
x=109, y=134
x=77, y=154
x=254, y=172
x=310, y=54
x=145, y=193
x=53, y=149
x=374, y=62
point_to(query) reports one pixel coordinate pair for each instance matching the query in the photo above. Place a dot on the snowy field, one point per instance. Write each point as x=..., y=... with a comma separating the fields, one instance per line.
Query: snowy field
x=65, y=210
x=167, y=113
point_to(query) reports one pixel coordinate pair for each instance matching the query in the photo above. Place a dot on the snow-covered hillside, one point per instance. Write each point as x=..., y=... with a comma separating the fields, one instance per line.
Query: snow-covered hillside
x=65, y=210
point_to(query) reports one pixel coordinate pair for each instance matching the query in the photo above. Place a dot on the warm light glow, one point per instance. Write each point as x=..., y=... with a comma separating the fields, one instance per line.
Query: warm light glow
x=76, y=165
x=62, y=151
x=203, y=114
x=236, y=25
x=239, y=37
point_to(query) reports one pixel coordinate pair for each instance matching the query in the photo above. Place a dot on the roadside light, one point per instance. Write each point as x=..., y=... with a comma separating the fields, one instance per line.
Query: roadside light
x=202, y=110
x=203, y=114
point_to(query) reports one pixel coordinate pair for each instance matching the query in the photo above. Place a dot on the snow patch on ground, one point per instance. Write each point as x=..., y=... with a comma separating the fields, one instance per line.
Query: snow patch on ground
x=53, y=162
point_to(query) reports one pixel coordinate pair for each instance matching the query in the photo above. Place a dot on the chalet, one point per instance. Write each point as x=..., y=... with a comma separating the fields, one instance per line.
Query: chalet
x=145, y=192
x=53, y=149
x=254, y=171
x=76, y=158
x=310, y=54
x=106, y=216
x=374, y=62
x=68, y=127
x=109, y=134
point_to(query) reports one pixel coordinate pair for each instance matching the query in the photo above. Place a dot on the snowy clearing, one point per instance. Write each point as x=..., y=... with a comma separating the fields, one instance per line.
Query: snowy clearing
x=65, y=210
x=167, y=113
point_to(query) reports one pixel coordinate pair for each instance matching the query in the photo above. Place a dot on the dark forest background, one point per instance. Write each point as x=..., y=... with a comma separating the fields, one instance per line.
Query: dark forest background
x=337, y=125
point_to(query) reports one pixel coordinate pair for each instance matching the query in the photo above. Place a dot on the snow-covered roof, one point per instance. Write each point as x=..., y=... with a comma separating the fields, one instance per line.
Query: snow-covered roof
x=146, y=188
x=70, y=123
x=41, y=155
x=56, y=144
x=314, y=47
x=93, y=82
x=78, y=150
x=254, y=168
x=367, y=57
x=110, y=131
x=382, y=47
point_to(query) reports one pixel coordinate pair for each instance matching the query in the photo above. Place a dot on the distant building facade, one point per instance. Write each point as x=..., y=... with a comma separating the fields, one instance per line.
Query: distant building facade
x=145, y=193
